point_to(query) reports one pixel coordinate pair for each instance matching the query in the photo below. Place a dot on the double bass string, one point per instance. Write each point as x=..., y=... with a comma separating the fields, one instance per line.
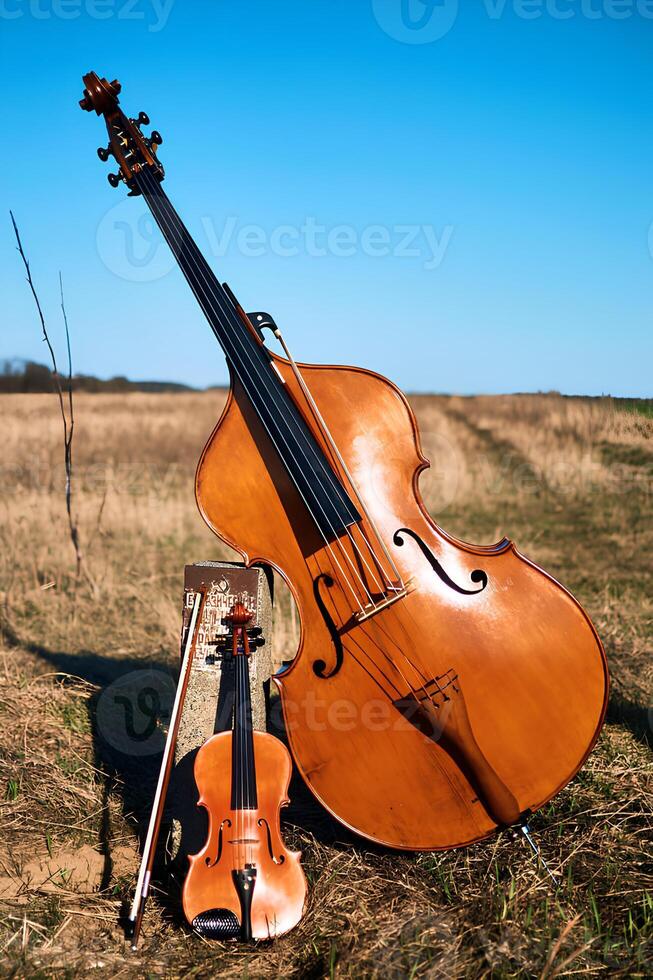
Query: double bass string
x=164, y=204
x=319, y=418
x=200, y=295
x=160, y=216
x=158, y=211
x=394, y=666
x=165, y=217
x=163, y=198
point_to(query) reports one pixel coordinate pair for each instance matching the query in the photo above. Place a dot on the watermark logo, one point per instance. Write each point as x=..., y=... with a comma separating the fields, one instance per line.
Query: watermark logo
x=650, y=239
x=132, y=712
x=130, y=244
x=415, y=21
x=443, y=476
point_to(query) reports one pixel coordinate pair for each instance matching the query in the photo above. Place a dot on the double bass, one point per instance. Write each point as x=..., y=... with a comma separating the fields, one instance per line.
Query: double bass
x=244, y=882
x=441, y=689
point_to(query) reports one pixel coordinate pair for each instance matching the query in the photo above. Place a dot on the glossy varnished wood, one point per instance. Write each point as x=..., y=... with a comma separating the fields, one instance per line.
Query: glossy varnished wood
x=530, y=667
x=279, y=892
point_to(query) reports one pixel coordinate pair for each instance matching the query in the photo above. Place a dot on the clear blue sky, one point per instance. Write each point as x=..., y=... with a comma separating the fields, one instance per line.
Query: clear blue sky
x=515, y=151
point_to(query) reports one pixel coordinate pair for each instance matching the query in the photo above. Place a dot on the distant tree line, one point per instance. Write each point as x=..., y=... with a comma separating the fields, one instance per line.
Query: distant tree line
x=26, y=377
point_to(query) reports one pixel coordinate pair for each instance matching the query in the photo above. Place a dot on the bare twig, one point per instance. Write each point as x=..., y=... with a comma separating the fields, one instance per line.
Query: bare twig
x=69, y=428
x=555, y=949
x=67, y=419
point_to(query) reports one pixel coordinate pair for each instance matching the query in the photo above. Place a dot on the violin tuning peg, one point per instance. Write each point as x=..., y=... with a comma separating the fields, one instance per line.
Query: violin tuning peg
x=103, y=153
x=156, y=137
x=114, y=179
x=143, y=119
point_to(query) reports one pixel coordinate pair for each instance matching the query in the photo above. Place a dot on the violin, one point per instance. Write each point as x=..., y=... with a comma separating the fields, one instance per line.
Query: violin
x=244, y=882
x=441, y=689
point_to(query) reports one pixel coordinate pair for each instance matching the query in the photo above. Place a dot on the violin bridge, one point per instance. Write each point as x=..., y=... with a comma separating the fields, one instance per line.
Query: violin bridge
x=372, y=608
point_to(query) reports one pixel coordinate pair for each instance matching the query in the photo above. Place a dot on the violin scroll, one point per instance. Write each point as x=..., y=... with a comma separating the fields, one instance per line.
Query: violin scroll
x=99, y=94
x=239, y=615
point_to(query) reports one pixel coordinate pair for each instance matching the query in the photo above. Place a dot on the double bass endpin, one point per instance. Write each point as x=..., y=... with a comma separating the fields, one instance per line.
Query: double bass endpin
x=537, y=853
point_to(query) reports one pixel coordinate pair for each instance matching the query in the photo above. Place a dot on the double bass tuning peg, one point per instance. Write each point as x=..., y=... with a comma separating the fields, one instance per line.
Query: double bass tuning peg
x=156, y=137
x=143, y=119
x=103, y=152
x=114, y=179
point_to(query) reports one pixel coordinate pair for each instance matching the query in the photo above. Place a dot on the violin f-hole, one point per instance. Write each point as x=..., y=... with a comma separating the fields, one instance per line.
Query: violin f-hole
x=262, y=822
x=209, y=863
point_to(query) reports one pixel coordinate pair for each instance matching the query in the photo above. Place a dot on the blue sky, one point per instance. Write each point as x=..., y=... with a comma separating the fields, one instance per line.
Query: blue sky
x=464, y=205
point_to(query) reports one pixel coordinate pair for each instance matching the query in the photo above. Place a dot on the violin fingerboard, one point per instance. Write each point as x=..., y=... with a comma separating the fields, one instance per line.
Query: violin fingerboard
x=209, y=699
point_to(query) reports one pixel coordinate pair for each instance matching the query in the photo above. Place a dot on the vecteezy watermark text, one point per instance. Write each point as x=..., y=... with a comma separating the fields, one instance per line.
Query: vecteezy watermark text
x=426, y=21
x=154, y=13
x=131, y=246
x=342, y=241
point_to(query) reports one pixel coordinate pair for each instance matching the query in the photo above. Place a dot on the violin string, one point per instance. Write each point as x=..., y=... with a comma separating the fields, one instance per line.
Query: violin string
x=164, y=204
x=247, y=802
x=252, y=745
x=158, y=214
x=246, y=797
x=411, y=689
x=238, y=739
x=249, y=735
x=443, y=770
x=243, y=725
x=243, y=748
x=235, y=766
x=243, y=751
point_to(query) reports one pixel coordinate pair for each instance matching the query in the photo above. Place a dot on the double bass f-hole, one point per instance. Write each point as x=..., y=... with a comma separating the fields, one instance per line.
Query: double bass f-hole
x=476, y=576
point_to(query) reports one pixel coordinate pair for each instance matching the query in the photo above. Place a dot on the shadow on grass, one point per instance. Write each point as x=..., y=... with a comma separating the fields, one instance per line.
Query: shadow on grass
x=129, y=711
x=630, y=715
x=127, y=718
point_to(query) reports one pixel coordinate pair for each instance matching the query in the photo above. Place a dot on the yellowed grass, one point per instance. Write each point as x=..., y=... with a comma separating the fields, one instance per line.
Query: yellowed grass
x=570, y=480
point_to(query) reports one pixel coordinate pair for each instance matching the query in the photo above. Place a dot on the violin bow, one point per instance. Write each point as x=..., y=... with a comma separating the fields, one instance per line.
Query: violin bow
x=149, y=848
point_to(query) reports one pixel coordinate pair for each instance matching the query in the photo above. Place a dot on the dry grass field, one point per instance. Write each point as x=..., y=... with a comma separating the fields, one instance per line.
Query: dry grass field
x=570, y=480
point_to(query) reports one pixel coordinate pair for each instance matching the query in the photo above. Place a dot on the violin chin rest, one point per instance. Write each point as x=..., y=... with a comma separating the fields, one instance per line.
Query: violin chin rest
x=217, y=924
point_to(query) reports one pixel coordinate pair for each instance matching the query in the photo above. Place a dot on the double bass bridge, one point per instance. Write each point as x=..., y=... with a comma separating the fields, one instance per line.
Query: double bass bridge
x=394, y=594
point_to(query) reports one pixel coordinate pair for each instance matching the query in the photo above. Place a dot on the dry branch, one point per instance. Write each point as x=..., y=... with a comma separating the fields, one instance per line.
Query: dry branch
x=67, y=419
